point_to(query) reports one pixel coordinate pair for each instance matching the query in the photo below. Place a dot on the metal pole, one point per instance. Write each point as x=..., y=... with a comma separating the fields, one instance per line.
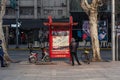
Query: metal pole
x=113, y=30
x=17, y=18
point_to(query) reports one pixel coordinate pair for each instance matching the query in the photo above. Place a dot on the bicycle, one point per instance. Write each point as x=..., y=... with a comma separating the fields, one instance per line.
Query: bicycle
x=86, y=56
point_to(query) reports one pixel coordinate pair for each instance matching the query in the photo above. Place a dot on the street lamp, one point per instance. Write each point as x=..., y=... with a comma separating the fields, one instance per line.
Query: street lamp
x=17, y=18
x=113, y=30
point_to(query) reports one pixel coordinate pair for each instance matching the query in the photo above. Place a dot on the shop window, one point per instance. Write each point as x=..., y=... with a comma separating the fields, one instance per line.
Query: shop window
x=60, y=12
x=10, y=11
x=47, y=11
x=27, y=11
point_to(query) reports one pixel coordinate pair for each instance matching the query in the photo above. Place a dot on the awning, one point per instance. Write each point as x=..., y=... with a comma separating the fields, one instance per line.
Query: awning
x=26, y=24
x=29, y=24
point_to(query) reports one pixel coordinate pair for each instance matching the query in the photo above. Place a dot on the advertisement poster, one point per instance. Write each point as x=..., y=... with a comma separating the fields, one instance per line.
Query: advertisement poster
x=60, y=43
x=102, y=30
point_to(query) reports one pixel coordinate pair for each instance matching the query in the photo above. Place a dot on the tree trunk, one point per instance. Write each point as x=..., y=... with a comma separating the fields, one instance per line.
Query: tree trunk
x=2, y=12
x=91, y=11
x=6, y=56
x=94, y=36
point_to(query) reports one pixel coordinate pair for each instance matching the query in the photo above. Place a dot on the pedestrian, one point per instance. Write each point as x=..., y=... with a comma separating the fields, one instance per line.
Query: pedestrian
x=44, y=53
x=73, y=51
x=1, y=55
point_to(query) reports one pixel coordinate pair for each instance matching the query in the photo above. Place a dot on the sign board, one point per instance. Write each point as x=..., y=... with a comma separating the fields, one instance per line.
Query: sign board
x=60, y=34
x=60, y=43
x=102, y=30
x=15, y=25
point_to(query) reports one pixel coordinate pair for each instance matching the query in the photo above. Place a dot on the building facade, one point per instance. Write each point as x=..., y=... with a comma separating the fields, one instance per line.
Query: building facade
x=32, y=14
x=58, y=9
x=39, y=9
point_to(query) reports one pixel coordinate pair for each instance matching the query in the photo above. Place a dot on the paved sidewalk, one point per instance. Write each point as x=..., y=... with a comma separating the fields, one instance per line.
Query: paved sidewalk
x=61, y=71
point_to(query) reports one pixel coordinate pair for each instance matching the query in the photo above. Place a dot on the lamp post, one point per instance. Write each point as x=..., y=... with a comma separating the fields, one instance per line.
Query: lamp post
x=113, y=30
x=17, y=18
x=15, y=5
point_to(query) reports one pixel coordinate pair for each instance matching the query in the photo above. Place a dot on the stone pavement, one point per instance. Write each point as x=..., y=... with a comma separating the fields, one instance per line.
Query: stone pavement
x=62, y=71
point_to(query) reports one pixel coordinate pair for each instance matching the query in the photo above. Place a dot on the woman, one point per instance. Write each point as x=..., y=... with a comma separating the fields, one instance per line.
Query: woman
x=73, y=51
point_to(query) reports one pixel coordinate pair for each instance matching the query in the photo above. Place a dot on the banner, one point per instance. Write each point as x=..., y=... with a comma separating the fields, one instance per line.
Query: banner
x=60, y=43
x=102, y=30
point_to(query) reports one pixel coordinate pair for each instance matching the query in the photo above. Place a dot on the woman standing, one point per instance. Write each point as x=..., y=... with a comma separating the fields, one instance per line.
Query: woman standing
x=73, y=51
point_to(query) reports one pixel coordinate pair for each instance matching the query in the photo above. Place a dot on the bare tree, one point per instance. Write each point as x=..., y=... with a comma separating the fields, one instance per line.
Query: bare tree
x=91, y=9
x=2, y=12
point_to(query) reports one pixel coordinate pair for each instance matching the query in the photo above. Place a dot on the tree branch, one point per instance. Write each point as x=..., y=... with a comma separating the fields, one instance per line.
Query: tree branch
x=3, y=8
x=86, y=7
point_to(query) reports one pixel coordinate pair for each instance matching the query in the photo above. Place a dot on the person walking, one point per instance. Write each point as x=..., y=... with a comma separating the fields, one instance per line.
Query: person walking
x=73, y=51
x=1, y=55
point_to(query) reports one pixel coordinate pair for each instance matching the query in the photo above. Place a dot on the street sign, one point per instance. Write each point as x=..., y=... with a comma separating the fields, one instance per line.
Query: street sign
x=14, y=25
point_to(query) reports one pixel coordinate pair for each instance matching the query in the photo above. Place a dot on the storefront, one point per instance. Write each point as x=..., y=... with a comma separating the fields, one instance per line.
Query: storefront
x=30, y=31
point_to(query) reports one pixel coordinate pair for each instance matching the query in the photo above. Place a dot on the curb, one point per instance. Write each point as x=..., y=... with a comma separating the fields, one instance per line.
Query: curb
x=40, y=49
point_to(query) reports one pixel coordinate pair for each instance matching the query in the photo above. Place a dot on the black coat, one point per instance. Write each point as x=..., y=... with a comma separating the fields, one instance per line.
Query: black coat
x=73, y=46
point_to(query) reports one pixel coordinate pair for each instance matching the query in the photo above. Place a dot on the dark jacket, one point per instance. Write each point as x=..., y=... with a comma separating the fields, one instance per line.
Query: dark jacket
x=1, y=51
x=73, y=46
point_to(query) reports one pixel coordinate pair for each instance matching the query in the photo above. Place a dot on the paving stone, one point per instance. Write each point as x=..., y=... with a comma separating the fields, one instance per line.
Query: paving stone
x=62, y=70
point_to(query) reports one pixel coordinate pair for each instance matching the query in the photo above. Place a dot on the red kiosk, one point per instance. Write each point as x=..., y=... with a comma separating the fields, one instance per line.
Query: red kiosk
x=60, y=34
